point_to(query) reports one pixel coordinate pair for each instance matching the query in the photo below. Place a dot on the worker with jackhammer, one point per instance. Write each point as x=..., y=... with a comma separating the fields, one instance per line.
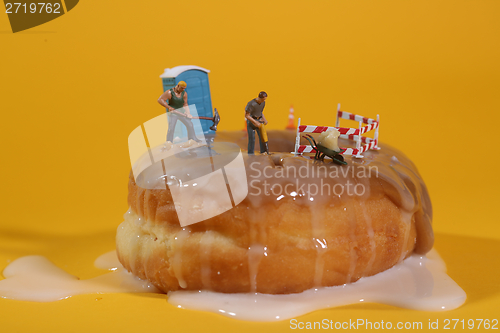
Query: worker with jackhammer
x=256, y=121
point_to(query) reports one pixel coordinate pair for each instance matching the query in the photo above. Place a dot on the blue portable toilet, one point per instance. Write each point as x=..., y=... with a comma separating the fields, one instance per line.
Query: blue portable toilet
x=198, y=90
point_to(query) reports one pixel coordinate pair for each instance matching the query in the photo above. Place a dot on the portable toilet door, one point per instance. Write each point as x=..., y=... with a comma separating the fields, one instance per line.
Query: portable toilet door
x=198, y=90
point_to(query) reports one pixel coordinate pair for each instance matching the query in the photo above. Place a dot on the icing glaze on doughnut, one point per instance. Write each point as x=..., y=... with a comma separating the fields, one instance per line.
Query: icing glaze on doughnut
x=35, y=278
x=419, y=283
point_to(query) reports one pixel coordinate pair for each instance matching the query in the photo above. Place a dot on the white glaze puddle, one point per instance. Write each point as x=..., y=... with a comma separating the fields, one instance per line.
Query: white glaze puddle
x=35, y=278
x=419, y=283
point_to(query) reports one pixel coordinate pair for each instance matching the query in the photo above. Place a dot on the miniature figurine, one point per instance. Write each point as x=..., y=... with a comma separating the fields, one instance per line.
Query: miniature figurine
x=177, y=109
x=256, y=121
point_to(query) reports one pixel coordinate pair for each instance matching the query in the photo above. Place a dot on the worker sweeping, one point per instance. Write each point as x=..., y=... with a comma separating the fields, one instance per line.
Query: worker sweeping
x=256, y=121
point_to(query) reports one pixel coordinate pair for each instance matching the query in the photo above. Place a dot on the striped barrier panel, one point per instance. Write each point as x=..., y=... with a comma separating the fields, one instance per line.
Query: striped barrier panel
x=343, y=130
x=348, y=151
x=352, y=116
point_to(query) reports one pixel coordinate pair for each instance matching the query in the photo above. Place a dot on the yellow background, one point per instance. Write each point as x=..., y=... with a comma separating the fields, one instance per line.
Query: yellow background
x=73, y=89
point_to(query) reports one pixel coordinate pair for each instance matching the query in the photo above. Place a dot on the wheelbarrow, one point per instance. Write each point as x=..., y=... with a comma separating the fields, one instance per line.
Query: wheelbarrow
x=322, y=152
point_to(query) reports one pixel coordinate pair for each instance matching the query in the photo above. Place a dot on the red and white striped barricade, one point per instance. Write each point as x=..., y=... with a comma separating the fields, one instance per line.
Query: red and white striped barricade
x=363, y=143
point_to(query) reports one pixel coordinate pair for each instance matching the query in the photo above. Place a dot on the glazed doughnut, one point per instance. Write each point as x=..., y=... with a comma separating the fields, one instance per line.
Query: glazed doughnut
x=303, y=224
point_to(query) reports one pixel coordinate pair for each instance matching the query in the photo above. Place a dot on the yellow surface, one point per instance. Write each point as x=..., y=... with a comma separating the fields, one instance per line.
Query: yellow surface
x=73, y=89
